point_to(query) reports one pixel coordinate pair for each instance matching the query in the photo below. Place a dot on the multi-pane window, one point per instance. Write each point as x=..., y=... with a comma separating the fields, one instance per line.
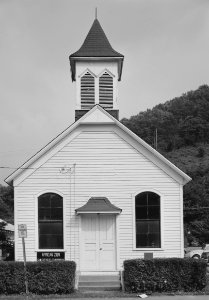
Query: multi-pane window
x=106, y=90
x=50, y=221
x=147, y=212
x=87, y=91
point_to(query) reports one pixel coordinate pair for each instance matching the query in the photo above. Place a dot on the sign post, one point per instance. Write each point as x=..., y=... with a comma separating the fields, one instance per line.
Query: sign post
x=22, y=232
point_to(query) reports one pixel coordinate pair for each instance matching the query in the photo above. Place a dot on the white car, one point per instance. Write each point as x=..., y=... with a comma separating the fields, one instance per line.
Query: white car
x=196, y=252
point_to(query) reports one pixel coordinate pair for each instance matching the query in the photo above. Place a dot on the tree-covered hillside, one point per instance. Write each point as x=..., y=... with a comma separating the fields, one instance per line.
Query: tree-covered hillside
x=182, y=129
x=180, y=122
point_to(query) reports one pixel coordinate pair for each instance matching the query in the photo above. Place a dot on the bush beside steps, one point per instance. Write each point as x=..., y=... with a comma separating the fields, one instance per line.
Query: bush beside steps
x=164, y=275
x=44, y=277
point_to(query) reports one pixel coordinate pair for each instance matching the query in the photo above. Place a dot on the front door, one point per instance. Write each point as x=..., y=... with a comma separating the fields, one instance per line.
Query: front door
x=98, y=242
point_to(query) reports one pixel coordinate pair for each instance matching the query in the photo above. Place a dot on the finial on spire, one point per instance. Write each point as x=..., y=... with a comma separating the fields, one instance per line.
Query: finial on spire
x=96, y=13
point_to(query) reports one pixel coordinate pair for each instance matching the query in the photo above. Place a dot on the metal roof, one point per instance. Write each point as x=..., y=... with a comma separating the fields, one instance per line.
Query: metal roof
x=98, y=205
x=96, y=44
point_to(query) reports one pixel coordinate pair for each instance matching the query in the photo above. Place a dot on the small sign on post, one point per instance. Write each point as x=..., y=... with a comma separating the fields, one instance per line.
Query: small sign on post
x=22, y=230
x=22, y=233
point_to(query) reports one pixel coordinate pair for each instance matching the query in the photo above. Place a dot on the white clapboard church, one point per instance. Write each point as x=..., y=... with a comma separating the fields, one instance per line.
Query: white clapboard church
x=97, y=193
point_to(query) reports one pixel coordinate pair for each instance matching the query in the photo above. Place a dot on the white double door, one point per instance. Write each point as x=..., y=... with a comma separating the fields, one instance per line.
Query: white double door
x=98, y=242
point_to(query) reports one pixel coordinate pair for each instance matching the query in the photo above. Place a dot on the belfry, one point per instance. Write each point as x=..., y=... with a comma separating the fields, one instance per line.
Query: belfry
x=96, y=67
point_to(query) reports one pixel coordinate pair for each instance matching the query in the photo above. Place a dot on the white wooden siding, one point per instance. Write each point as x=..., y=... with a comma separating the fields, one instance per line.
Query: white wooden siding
x=105, y=165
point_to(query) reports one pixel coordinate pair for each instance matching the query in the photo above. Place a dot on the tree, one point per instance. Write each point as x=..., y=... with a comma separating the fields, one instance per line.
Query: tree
x=6, y=244
x=7, y=203
x=180, y=122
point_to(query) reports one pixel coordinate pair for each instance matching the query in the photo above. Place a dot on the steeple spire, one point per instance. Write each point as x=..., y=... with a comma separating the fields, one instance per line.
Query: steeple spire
x=96, y=68
x=96, y=45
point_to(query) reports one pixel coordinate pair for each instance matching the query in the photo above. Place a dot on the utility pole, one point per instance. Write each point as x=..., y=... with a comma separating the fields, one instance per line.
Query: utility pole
x=155, y=139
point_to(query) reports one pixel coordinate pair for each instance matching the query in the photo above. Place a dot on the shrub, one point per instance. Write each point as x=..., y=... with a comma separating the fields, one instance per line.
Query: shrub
x=164, y=275
x=44, y=277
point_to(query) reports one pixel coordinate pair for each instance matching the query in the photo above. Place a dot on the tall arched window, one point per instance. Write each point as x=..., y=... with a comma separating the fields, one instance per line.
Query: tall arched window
x=87, y=91
x=106, y=90
x=50, y=221
x=147, y=212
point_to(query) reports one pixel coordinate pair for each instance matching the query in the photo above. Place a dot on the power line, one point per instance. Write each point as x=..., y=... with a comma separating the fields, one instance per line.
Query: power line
x=29, y=168
x=12, y=168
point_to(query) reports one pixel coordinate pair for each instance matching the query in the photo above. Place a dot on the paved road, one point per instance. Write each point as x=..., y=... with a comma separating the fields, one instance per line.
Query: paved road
x=163, y=297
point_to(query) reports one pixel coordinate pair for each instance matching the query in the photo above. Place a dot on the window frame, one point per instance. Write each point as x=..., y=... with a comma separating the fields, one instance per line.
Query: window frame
x=161, y=221
x=37, y=249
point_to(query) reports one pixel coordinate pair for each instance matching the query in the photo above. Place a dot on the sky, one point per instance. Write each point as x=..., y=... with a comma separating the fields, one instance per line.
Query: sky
x=166, y=49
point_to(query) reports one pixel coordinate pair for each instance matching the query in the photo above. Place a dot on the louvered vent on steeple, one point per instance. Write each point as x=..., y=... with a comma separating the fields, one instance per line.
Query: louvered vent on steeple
x=106, y=90
x=87, y=91
x=96, y=68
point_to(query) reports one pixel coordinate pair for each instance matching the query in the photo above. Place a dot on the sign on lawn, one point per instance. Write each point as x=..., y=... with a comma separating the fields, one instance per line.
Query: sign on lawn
x=22, y=230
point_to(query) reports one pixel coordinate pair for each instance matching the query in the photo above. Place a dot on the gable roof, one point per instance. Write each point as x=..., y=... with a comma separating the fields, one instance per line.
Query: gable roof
x=97, y=115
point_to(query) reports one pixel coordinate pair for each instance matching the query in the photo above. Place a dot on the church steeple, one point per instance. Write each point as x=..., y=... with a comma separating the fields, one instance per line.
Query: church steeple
x=96, y=67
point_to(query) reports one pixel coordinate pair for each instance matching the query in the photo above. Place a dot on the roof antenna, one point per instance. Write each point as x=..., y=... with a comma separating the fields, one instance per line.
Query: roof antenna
x=96, y=13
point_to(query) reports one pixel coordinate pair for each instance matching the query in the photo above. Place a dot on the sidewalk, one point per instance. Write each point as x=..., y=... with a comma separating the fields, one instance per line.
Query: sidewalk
x=104, y=297
x=162, y=297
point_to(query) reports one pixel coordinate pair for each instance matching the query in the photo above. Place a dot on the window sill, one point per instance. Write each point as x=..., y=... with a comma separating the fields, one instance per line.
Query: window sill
x=50, y=250
x=148, y=249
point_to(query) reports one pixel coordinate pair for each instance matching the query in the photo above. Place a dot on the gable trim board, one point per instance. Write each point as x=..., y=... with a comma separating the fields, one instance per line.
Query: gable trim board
x=97, y=115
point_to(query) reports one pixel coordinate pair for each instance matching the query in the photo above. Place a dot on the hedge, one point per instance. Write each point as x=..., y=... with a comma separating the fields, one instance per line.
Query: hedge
x=44, y=277
x=164, y=275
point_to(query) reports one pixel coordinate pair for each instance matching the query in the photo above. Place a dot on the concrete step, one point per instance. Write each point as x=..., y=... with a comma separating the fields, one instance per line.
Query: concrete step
x=98, y=273
x=98, y=288
x=99, y=278
x=99, y=282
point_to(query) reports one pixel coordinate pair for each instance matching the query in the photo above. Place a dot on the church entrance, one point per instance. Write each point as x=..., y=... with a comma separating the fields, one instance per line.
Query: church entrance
x=98, y=245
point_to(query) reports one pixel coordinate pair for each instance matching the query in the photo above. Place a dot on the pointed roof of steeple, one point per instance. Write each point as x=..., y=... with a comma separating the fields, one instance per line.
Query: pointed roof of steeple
x=96, y=44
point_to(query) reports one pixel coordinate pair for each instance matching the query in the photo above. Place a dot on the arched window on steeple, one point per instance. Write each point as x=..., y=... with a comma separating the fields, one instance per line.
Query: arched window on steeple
x=106, y=90
x=87, y=91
